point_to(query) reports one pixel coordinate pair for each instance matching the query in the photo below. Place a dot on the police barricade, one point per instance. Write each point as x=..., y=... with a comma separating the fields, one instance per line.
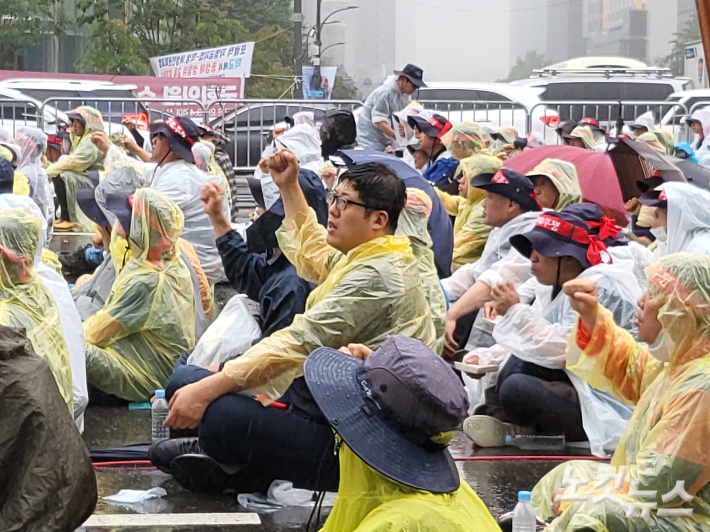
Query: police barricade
x=248, y=124
x=612, y=116
x=18, y=113
x=490, y=115
x=113, y=110
x=698, y=105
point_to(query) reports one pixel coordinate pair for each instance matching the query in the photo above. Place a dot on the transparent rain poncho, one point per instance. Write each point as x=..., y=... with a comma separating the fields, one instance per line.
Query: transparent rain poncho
x=652, y=140
x=413, y=224
x=563, y=176
x=465, y=140
x=33, y=143
x=364, y=297
x=470, y=233
x=68, y=315
x=688, y=227
x=586, y=134
x=203, y=152
x=85, y=156
x=702, y=146
x=149, y=318
x=26, y=302
x=304, y=141
x=665, y=441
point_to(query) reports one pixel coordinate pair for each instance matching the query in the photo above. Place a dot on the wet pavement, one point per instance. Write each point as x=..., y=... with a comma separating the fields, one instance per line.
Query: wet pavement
x=496, y=479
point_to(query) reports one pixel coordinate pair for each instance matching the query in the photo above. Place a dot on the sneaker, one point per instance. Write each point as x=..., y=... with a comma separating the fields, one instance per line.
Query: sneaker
x=487, y=431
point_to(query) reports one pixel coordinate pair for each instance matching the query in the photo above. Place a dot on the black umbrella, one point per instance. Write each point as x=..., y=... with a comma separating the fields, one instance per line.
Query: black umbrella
x=694, y=173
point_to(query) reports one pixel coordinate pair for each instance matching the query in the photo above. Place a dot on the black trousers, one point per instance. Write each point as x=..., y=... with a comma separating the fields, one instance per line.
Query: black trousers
x=295, y=444
x=60, y=188
x=534, y=396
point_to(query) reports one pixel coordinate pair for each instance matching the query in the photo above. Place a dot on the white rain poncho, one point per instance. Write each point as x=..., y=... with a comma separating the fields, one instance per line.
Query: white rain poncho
x=33, y=143
x=539, y=334
x=499, y=262
x=639, y=254
x=182, y=182
x=646, y=120
x=384, y=101
x=303, y=140
x=702, y=145
x=68, y=315
x=688, y=229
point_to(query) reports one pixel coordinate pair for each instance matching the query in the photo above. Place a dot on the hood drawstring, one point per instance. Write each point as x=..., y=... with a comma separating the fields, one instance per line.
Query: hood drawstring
x=557, y=288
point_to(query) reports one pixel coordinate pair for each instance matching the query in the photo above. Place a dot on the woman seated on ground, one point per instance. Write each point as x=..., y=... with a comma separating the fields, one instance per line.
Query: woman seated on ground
x=26, y=303
x=71, y=171
x=662, y=461
x=149, y=318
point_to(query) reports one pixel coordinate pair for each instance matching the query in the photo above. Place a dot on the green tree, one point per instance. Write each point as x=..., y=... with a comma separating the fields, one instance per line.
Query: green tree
x=115, y=51
x=344, y=88
x=22, y=24
x=675, y=60
x=524, y=66
x=256, y=15
x=159, y=27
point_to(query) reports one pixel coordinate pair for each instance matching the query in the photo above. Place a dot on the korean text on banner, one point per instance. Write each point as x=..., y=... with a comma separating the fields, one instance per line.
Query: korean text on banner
x=232, y=61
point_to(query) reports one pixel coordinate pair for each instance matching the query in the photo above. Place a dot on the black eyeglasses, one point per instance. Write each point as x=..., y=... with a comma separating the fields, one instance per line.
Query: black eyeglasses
x=341, y=202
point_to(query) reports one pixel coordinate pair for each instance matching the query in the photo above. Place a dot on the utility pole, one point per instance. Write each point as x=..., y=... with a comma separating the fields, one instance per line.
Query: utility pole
x=317, y=80
x=703, y=7
x=297, y=19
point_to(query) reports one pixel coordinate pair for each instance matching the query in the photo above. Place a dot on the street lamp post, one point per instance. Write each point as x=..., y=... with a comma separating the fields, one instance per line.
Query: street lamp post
x=317, y=80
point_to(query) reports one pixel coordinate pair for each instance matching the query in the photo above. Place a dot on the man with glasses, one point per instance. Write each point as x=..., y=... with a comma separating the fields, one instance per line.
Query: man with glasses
x=368, y=290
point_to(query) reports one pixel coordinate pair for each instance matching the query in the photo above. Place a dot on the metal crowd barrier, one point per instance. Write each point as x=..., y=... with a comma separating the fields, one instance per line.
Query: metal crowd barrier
x=611, y=115
x=247, y=124
x=143, y=110
x=18, y=113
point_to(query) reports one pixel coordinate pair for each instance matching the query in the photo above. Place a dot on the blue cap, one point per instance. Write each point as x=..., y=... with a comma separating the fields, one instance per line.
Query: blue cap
x=161, y=393
x=523, y=496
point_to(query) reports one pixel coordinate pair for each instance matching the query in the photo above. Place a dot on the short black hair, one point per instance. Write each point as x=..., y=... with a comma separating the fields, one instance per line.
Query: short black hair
x=380, y=189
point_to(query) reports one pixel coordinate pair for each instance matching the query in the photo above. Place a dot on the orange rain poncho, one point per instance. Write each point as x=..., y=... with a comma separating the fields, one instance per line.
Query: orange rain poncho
x=666, y=441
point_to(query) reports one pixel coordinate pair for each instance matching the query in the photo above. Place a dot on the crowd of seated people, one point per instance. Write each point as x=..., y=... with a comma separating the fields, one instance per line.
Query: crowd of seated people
x=589, y=332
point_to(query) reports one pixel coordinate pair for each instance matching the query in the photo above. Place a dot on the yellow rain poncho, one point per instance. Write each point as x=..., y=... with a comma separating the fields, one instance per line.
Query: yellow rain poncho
x=465, y=140
x=666, y=441
x=149, y=318
x=368, y=501
x=470, y=233
x=413, y=224
x=85, y=156
x=653, y=140
x=586, y=134
x=363, y=297
x=507, y=135
x=564, y=177
x=26, y=303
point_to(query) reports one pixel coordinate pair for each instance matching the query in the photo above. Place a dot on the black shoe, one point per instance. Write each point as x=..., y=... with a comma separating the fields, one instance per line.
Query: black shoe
x=201, y=474
x=505, y=522
x=164, y=452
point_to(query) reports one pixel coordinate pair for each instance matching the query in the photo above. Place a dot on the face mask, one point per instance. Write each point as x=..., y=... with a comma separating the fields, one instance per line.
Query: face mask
x=660, y=233
x=658, y=349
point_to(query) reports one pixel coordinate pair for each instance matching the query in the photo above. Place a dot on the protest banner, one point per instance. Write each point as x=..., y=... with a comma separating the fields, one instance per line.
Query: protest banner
x=233, y=61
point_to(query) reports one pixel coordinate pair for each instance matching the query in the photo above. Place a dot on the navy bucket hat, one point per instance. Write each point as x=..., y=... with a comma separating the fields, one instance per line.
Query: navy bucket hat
x=562, y=234
x=388, y=407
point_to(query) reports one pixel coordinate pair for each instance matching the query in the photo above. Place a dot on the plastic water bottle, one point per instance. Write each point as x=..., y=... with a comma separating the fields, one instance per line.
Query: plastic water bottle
x=158, y=413
x=536, y=443
x=524, y=514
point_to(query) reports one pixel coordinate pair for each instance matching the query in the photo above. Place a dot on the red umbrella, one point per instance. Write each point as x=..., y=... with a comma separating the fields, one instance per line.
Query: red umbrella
x=597, y=175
